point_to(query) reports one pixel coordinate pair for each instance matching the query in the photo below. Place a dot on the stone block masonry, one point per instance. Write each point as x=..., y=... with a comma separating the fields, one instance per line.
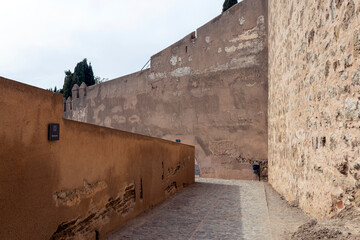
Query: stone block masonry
x=87, y=184
x=208, y=89
x=314, y=103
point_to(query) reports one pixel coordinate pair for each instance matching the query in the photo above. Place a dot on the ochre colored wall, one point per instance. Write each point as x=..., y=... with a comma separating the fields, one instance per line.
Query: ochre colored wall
x=208, y=89
x=92, y=179
x=314, y=107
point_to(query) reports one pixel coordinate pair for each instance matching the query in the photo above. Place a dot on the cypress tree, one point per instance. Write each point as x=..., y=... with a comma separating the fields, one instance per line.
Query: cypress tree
x=82, y=73
x=68, y=84
x=228, y=4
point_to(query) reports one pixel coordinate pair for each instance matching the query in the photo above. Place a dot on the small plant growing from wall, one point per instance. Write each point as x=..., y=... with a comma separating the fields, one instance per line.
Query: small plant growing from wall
x=228, y=4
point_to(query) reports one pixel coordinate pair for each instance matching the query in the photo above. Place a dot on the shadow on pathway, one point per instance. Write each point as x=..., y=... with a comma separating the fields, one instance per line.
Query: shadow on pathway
x=208, y=209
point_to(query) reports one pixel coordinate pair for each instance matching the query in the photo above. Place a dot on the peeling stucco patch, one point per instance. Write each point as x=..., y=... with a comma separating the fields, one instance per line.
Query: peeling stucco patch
x=119, y=119
x=244, y=61
x=107, y=122
x=249, y=35
x=177, y=93
x=116, y=109
x=253, y=33
x=173, y=60
x=251, y=84
x=74, y=197
x=80, y=114
x=242, y=20
x=219, y=68
x=230, y=49
x=157, y=75
x=252, y=47
x=180, y=72
x=134, y=119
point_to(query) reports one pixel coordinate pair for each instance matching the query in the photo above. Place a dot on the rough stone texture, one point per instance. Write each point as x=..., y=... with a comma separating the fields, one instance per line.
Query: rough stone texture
x=88, y=183
x=314, y=111
x=209, y=89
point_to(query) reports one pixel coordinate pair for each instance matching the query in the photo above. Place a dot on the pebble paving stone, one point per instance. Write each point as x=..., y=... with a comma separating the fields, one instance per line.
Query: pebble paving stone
x=208, y=209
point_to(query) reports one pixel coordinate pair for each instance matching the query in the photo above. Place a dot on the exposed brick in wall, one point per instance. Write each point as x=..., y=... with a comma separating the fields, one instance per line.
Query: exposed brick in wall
x=87, y=226
x=208, y=89
x=314, y=110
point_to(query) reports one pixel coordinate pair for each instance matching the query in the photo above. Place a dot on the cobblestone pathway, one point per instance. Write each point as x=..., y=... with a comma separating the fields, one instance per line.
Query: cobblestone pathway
x=210, y=209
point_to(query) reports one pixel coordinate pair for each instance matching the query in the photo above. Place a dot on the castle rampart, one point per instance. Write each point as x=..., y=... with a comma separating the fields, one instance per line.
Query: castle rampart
x=208, y=89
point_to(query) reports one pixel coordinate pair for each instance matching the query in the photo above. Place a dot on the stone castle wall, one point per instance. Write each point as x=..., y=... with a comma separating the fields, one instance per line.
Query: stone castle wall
x=314, y=103
x=208, y=89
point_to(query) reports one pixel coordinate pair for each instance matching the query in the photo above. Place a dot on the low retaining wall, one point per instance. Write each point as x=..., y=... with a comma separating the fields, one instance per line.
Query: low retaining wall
x=85, y=185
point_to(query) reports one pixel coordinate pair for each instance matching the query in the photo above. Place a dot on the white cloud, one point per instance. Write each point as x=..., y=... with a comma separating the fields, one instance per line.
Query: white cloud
x=42, y=38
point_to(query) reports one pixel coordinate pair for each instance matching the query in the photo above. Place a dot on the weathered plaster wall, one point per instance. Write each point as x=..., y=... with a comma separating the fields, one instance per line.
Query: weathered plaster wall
x=92, y=179
x=314, y=110
x=209, y=89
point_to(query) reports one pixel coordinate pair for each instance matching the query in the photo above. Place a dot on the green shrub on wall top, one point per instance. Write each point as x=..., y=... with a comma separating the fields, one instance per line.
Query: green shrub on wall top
x=228, y=4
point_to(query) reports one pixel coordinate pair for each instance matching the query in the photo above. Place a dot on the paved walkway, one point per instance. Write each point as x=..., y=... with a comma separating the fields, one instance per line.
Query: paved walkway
x=216, y=209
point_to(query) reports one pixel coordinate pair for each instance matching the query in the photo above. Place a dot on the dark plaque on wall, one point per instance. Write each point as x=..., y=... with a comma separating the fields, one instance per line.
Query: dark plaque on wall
x=54, y=132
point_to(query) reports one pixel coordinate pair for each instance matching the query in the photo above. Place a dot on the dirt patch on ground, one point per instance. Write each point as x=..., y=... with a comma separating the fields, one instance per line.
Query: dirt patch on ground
x=289, y=222
x=346, y=225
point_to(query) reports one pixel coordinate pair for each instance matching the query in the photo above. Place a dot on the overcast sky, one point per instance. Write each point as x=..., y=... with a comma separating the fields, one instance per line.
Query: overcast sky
x=40, y=39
